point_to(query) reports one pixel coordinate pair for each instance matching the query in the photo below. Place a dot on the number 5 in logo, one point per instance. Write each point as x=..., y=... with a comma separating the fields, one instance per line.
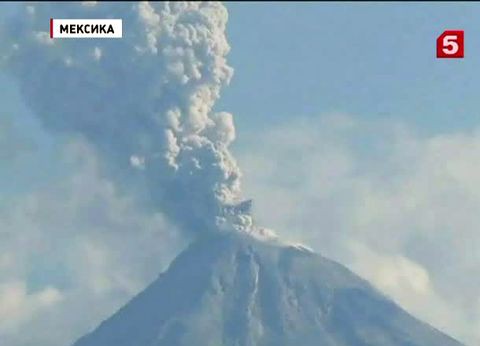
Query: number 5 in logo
x=450, y=44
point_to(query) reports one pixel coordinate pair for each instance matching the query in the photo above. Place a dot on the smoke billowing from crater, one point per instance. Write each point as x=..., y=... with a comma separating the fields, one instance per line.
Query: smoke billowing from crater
x=144, y=102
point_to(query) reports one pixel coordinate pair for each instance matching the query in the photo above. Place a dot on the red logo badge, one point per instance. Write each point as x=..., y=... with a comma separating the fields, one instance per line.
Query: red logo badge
x=450, y=44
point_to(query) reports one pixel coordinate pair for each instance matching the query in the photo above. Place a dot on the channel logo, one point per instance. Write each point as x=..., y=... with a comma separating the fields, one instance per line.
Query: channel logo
x=450, y=44
x=85, y=28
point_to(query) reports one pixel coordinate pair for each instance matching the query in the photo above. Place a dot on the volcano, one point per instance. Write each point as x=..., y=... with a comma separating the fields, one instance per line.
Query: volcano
x=232, y=289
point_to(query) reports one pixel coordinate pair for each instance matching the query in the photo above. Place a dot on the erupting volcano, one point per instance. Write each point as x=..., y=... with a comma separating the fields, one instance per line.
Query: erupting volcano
x=146, y=108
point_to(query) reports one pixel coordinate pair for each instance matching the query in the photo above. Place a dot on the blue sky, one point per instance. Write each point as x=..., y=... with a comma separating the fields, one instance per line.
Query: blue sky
x=371, y=60
x=296, y=65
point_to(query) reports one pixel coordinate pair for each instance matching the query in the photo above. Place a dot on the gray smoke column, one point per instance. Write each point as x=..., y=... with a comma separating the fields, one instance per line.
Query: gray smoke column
x=144, y=102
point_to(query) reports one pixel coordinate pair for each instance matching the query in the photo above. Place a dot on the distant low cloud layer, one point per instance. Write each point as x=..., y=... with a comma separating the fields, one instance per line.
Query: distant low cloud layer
x=399, y=208
x=73, y=251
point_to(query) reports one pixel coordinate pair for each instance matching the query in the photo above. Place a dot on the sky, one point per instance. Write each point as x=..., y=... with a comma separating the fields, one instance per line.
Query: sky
x=352, y=138
x=374, y=60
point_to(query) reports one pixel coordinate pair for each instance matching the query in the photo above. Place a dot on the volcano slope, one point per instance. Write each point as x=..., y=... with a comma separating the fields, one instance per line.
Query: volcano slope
x=233, y=289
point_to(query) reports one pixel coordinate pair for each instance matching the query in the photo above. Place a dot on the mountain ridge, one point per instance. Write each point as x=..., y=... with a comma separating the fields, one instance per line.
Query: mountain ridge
x=234, y=290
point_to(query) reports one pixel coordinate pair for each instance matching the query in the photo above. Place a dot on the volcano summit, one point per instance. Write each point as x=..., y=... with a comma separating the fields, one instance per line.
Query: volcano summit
x=234, y=290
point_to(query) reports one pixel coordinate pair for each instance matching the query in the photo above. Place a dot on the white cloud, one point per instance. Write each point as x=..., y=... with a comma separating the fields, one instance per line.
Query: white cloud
x=399, y=208
x=75, y=243
x=97, y=53
x=17, y=305
x=137, y=162
x=43, y=37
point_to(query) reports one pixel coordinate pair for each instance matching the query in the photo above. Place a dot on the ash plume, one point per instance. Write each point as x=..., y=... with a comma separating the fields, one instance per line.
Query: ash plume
x=144, y=102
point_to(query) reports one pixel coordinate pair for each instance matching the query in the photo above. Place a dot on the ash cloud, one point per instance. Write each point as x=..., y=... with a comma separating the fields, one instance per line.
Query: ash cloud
x=145, y=102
